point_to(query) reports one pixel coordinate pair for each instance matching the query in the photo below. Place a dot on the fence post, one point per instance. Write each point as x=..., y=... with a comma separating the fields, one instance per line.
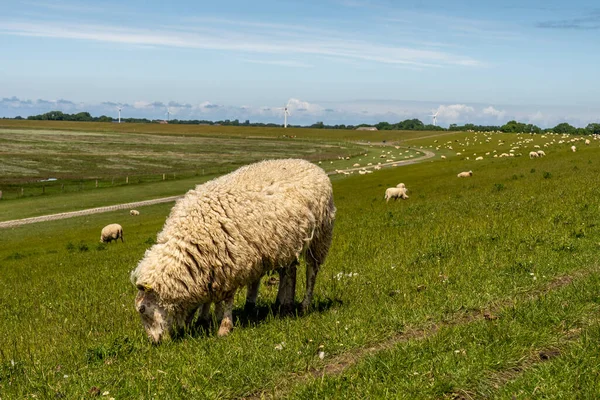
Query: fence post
x=127, y=180
x=22, y=192
x=96, y=182
x=0, y=194
x=43, y=189
x=163, y=177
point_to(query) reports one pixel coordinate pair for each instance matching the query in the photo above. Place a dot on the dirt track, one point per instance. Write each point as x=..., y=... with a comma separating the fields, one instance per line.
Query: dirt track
x=97, y=210
x=18, y=222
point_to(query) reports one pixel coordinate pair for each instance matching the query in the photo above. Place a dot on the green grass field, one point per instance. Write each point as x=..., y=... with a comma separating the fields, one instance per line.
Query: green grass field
x=484, y=287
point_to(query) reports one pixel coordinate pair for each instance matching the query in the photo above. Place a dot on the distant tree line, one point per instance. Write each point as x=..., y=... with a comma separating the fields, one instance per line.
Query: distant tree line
x=406, y=125
x=60, y=116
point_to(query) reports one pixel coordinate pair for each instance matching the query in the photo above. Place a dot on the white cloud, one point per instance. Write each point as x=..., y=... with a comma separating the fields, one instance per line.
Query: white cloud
x=142, y=104
x=280, y=42
x=454, y=112
x=304, y=106
x=282, y=63
x=494, y=113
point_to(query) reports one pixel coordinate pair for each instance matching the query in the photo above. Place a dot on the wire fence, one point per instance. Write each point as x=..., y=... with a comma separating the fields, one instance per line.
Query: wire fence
x=54, y=186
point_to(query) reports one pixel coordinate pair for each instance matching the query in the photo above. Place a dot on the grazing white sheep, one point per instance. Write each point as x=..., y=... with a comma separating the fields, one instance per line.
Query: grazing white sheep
x=226, y=233
x=401, y=185
x=356, y=165
x=443, y=157
x=587, y=142
x=479, y=158
x=465, y=174
x=395, y=193
x=533, y=154
x=573, y=149
x=134, y=212
x=111, y=232
x=541, y=153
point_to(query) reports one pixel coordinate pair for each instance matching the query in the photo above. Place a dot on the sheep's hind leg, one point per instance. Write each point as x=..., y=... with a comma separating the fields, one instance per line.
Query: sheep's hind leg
x=315, y=256
x=224, y=310
x=312, y=268
x=286, y=294
x=204, y=315
x=252, y=296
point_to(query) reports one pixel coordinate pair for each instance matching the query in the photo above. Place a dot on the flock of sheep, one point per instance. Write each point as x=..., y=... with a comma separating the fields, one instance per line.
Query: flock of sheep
x=515, y=147
x=227, y=233
x=369, y=167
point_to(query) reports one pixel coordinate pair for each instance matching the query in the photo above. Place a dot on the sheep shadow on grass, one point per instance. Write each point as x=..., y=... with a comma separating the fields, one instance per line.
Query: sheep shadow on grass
x=259, y=314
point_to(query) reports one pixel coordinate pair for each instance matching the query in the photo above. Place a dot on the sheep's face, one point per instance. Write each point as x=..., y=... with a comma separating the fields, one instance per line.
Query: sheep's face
x=155, y=318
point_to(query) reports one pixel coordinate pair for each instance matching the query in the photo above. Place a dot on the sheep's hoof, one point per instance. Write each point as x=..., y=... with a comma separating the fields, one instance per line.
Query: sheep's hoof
x=249, y=307
x=305, y=308
x=284, y=309
x=225, y=328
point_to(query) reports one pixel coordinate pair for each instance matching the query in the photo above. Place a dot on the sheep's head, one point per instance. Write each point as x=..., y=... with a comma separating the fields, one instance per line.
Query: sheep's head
x=155, y=318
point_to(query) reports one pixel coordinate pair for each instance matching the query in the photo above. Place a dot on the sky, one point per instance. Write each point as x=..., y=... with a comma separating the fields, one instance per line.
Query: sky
x=336, y=61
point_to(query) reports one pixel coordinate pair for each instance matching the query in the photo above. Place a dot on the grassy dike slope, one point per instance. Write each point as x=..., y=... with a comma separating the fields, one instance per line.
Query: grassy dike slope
x=423, y=273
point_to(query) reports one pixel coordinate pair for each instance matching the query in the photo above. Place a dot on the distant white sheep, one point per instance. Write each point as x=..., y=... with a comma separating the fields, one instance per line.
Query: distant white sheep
x=465, y=174
x=111, y=232
x=533, y=154
x=541, y=153
x=395, y=193
x=134, y=212
x=587, y=142
x=573, y=149
x=443, y=157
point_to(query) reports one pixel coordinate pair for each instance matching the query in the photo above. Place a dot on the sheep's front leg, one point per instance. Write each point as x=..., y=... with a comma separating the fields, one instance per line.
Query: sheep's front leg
x=224, y=310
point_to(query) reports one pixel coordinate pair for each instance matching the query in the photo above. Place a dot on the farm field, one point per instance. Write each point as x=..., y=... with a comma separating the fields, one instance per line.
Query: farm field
x=35, y=162
x=133, y=166
x=484, y=287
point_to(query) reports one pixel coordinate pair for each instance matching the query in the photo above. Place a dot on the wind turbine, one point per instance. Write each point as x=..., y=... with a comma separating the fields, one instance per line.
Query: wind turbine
x=119, y=108
x=168, y=114
x=434, y=116
x=286, y=112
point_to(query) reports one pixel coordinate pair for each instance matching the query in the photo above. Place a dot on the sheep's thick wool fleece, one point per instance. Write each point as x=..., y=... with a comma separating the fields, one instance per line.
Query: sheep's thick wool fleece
x=227, y=232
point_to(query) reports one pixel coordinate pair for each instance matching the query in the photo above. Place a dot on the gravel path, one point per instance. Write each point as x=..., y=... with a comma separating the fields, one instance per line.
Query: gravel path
x=18, y=222
x=97, y=210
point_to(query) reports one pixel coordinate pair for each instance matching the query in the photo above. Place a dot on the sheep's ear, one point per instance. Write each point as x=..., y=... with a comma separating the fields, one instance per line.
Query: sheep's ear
x=144, y=288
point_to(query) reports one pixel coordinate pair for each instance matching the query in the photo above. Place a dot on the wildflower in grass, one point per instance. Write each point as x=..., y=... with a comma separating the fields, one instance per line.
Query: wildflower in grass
x=341, y=275
x=321, y=354
x=280, y=346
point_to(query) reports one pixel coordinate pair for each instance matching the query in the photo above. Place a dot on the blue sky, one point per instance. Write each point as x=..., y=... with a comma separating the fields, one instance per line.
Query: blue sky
x=337, y=61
